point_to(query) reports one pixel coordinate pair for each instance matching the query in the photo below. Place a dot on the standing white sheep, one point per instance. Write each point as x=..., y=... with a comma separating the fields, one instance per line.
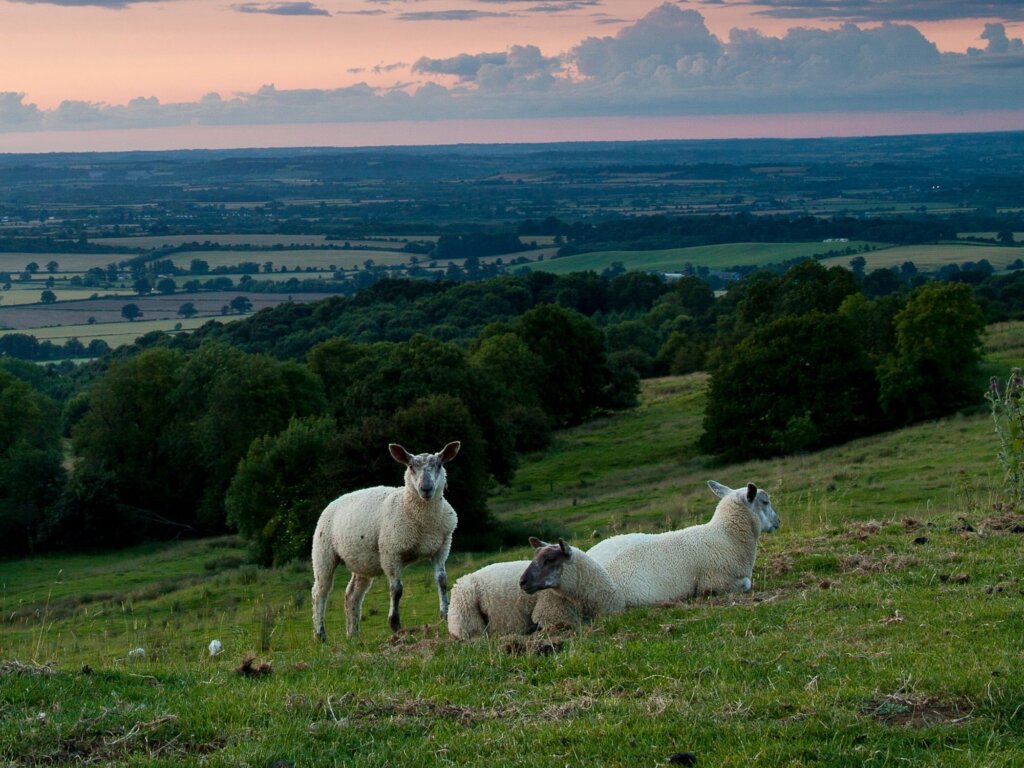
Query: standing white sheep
x=379, y=530
x=503, y=599
x=715, y=557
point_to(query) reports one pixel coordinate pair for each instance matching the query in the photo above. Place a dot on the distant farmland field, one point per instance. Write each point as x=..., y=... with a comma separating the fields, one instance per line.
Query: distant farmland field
x=294, y=259
x=932, y=257
x=108, y=310
x=256, y=240
x=67, y=262
x=713, y=256
x=29, y=293
x=122, y=332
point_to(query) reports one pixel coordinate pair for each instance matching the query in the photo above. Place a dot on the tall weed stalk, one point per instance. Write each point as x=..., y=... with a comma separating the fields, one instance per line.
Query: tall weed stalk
x=1008, y=415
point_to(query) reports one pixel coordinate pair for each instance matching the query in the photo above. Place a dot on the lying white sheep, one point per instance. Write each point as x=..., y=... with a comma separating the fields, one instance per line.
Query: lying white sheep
x=379, y=530
x=503, y=599
x=489, y=600
x=715, y=557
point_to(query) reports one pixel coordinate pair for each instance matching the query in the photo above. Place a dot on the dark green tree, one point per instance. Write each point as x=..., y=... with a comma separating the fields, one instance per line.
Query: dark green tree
x=31, y=472
x=934, y=369
x=799, y=383
x=280, y=489
x=226, y=399
x=131, y=312
x=241, y=304
x=577, y=380
x=127, y=448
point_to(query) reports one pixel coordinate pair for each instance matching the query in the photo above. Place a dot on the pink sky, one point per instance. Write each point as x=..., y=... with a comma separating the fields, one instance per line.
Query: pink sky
x=578, y=58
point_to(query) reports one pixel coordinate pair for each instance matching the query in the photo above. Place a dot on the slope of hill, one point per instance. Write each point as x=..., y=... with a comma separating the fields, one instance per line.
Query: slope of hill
x=885, y=626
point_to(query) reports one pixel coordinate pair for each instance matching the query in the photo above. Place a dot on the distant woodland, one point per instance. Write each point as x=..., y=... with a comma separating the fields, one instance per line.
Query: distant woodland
x=253, y=425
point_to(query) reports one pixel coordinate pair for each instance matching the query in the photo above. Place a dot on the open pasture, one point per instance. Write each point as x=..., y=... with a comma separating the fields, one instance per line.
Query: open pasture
x=933, y=257
x=152, y=242
x=256, y=240
x=22, y=293
x=121, y=332
x=15, y=262
x=713, y=256
x=884, y=628
x=294, y=259
x=154, y=307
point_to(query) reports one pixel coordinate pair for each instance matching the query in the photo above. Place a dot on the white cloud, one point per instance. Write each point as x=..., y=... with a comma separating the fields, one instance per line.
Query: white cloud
x=16, y=115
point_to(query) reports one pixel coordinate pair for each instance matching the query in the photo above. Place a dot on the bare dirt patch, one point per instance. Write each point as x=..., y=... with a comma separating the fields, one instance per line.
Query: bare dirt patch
x=914, y=711
x=14, y=667
x=887, y=563
x=861, y=530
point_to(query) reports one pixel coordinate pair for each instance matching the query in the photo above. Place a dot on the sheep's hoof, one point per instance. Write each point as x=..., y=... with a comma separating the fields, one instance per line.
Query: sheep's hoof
x=395, y=623
x=321, y=635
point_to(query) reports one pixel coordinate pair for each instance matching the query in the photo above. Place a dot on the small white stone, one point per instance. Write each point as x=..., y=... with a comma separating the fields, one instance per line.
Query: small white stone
x=137, y=653
x=215, y=647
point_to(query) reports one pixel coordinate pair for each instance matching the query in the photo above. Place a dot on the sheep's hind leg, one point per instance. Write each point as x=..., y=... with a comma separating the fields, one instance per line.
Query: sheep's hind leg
x=354, y=593
x=441, y=577
x=324, y=565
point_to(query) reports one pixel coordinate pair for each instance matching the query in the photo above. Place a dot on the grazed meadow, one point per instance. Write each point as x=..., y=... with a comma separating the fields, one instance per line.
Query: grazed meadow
x=885, y=627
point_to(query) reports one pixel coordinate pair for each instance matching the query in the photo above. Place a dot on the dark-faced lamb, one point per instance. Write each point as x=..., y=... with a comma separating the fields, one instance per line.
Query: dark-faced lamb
x=560, y=587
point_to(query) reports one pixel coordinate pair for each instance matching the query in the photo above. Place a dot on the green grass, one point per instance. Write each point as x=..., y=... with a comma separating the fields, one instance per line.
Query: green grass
x=712, y=256
x=884, y=628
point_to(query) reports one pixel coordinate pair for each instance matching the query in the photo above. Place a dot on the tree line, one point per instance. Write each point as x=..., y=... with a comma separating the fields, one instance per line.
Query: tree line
x=254, y=425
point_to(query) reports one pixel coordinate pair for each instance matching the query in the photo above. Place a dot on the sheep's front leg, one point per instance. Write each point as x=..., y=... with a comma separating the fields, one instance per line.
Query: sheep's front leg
x=441, y=577
x=394, y=574
x=354, y=593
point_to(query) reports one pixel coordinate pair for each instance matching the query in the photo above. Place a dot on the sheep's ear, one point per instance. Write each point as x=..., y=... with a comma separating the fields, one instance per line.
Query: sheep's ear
x=536, y=543
x=721, y=491
x=564, y=547
x=449, y=452
x=751, y=492
x=399, y=454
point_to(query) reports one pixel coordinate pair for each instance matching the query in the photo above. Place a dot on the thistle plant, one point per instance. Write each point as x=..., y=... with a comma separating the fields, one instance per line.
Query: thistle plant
x=1008, y=416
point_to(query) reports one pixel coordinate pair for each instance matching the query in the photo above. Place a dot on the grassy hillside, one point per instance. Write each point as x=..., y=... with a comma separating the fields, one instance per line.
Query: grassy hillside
x=884, y=628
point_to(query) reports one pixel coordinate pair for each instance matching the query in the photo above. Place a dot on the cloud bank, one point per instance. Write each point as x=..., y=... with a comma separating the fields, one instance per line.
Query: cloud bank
x=888, y=10
x=665, y=64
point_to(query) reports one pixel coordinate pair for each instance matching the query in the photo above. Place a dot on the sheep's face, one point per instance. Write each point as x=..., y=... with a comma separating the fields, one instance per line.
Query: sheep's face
x=424, y=472
x=757, y=501
x=762, y=507
x=545, y=570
